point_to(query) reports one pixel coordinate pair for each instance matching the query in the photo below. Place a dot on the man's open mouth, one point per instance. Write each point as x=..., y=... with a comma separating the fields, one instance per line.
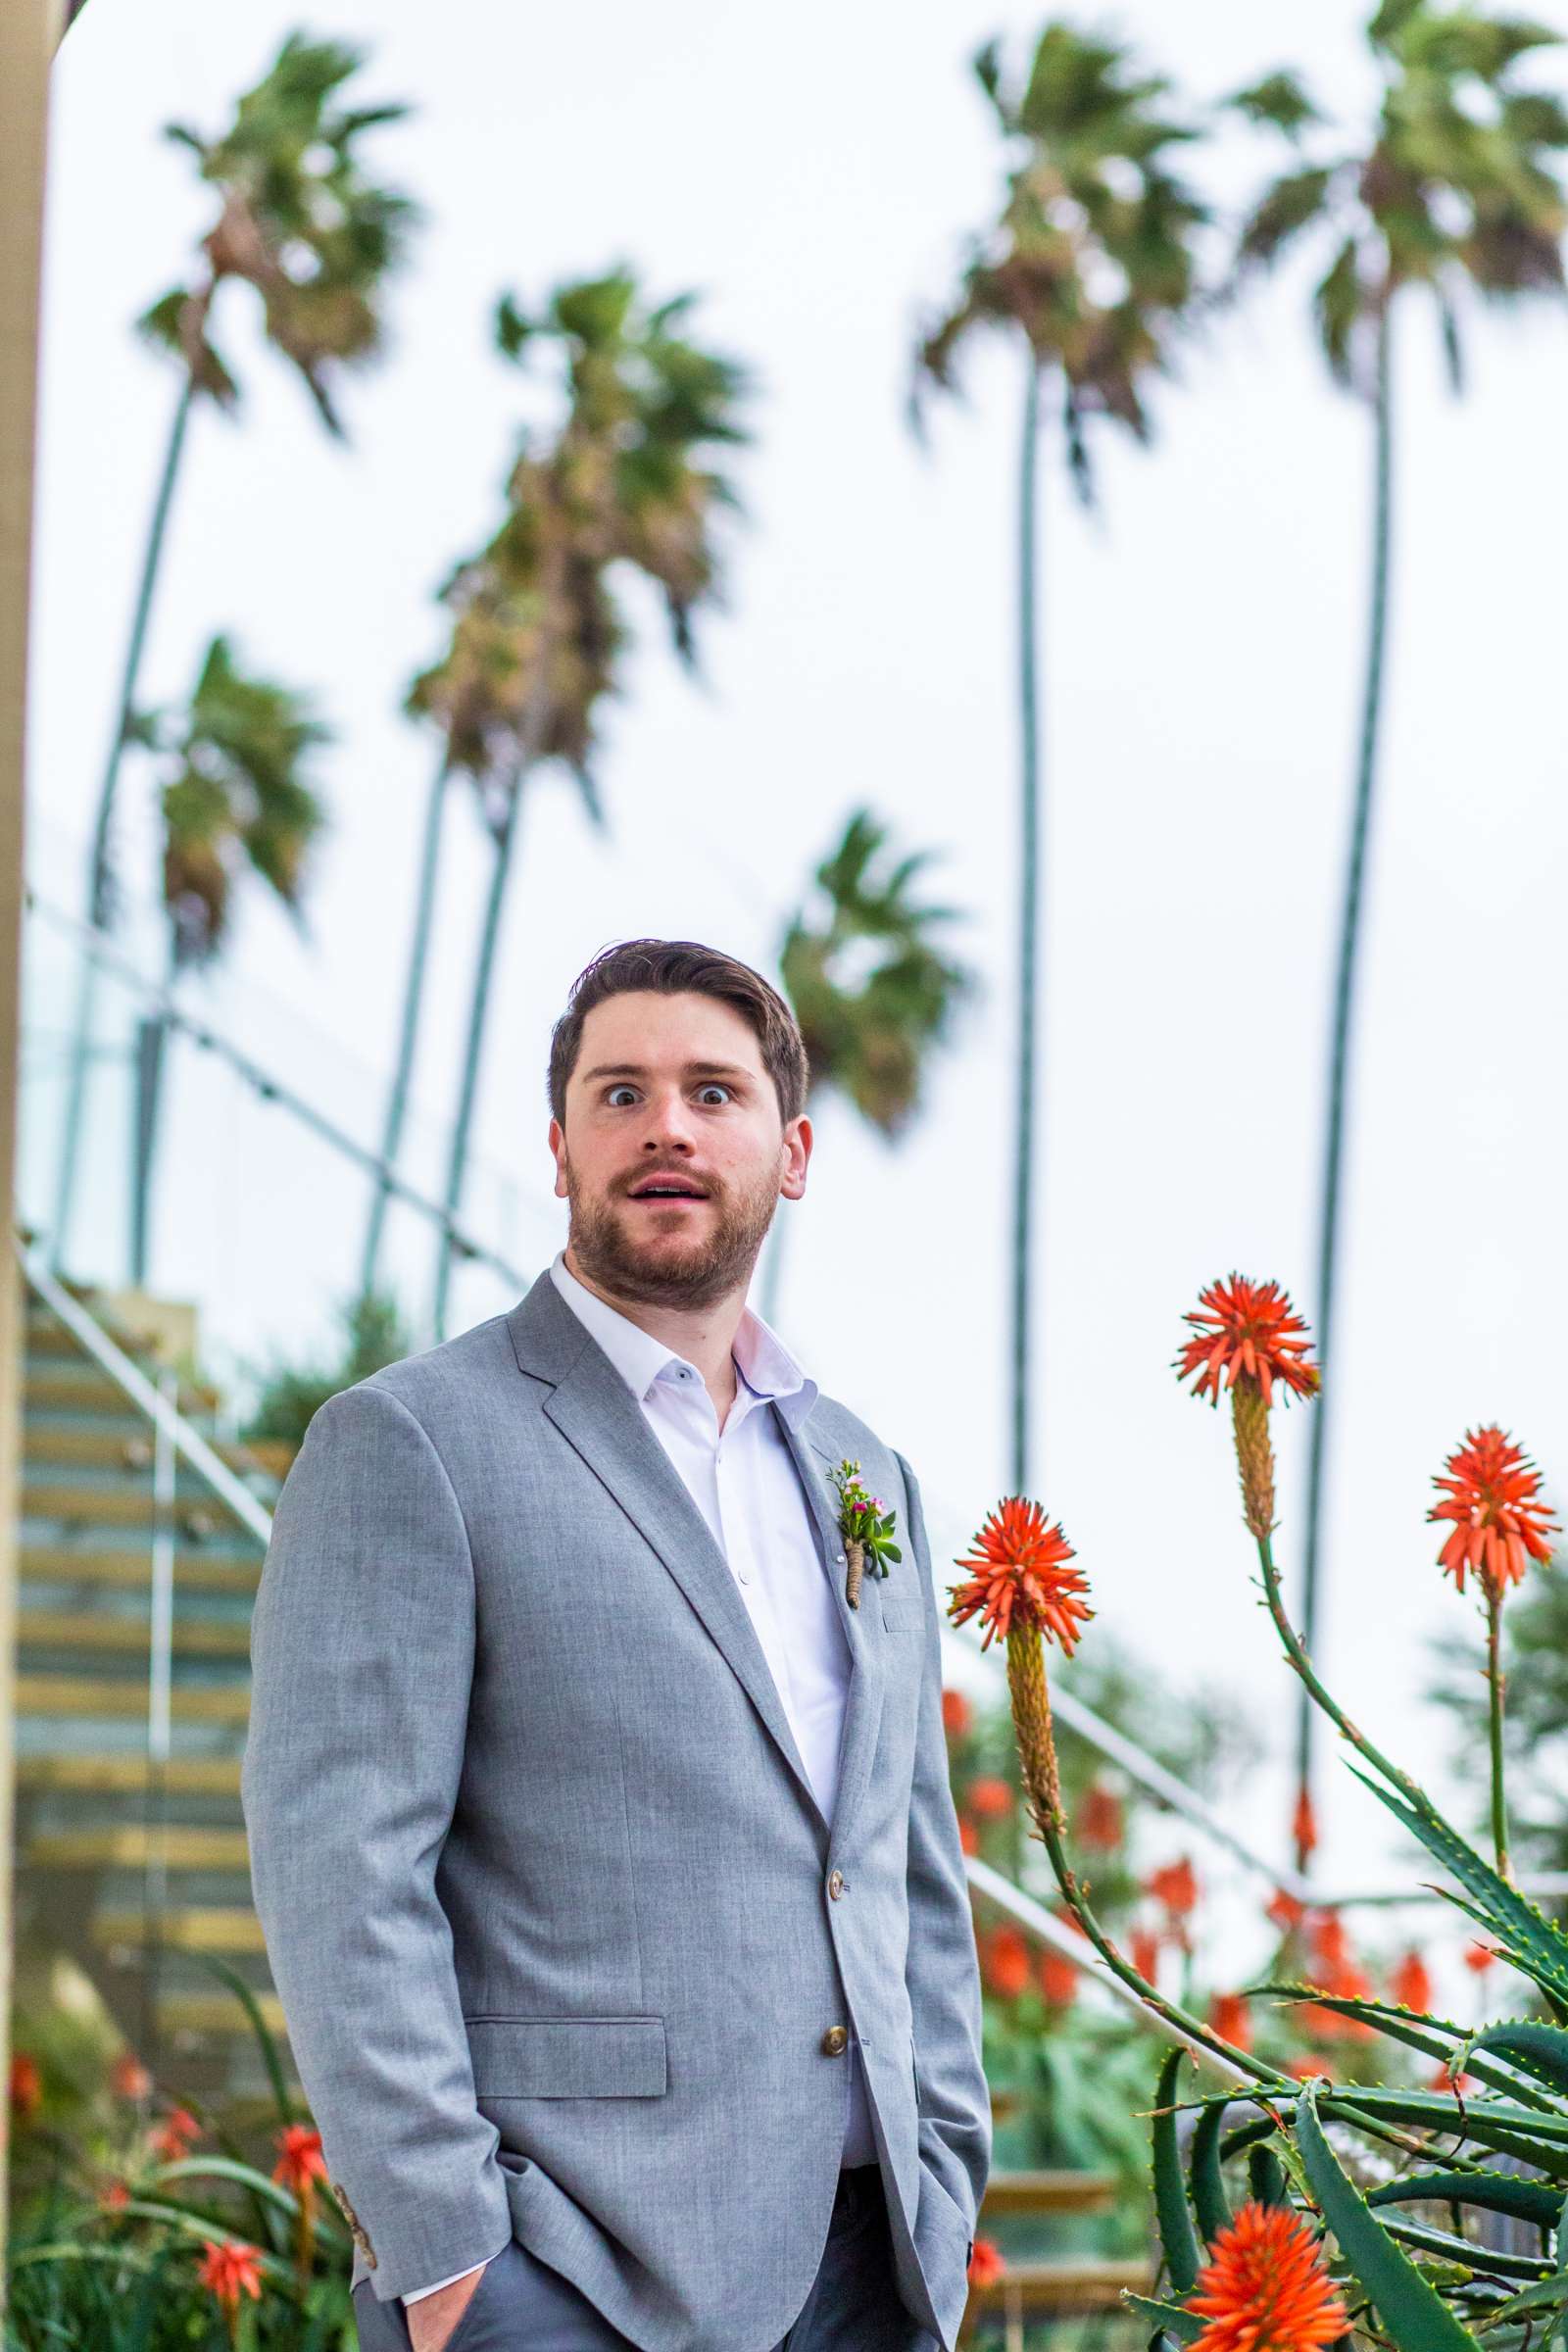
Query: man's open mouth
x=669, y=1189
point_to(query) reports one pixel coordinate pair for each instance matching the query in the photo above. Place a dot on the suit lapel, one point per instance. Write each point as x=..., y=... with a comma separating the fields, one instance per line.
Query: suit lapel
x=601, y=1420
x=863, y=1706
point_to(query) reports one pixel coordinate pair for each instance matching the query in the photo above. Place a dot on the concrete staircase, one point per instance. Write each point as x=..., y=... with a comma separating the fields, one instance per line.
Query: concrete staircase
x=93, y=1824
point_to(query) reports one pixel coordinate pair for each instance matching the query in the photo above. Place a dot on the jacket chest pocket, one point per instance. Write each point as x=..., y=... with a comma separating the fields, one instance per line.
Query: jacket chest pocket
x=567, y=2057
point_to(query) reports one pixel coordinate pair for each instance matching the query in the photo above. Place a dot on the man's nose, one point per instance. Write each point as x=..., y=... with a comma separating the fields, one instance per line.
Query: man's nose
x=671, y=1124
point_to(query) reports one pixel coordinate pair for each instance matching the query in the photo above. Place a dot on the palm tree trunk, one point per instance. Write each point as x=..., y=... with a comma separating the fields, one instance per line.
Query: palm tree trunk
x=1344, y=1008
x=412, y=998
x=101, y=910
x=152, y=1048
x=1028, y=926
x=479, y=1007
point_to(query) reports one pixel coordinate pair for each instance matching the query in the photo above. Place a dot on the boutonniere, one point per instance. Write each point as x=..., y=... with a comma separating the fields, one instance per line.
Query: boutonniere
x=866, y=1525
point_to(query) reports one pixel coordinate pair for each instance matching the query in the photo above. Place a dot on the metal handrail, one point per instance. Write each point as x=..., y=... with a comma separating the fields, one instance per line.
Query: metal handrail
x=1147, y=1770
x=271, y=1089
x=1134, y=1761
x=1048, y=1929
x=1163, y=1783
x=144, y=1394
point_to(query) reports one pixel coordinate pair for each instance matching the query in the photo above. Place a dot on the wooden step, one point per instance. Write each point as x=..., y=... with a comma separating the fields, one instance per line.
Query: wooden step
x=131, y=1450
x=1036, y=2193
x=89, y=1390
x=47, y=1344
x=132, y=1844
x=80, y=1695
x=219, y=1929
x=80, y=1629
x=219, y=2013
x=128, y=1776
x=124, y=1506
x=196, y=1569
x=1051, y=2290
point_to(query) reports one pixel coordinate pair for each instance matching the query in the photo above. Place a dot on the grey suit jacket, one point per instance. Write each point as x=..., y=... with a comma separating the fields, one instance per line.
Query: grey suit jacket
x=544, y=1884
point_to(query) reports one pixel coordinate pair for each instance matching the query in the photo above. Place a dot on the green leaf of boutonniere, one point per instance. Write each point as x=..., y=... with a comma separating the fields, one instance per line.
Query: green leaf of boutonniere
x=866, y=1525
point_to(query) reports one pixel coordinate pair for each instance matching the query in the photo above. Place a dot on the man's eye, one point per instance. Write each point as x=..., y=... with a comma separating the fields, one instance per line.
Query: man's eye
x=714, y=1087
x=618, y=1090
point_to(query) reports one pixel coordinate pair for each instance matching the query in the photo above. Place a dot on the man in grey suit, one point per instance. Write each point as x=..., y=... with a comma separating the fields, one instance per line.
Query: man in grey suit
x=604, y=1847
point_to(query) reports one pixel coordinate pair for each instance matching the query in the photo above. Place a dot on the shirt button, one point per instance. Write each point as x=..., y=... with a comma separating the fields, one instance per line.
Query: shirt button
x=835, y=1884
x=835, y=2042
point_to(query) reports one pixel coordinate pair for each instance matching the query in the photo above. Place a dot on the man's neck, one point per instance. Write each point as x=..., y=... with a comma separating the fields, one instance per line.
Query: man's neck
x=705, y=1335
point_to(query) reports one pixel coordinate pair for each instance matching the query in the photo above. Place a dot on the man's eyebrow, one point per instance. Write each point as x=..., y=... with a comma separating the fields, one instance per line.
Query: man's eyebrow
x=691, y=1070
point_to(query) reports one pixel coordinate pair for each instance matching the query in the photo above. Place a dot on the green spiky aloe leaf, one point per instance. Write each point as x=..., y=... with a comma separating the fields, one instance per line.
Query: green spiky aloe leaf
x=1535, y=1944
x=1407, y=2025
x=1535, y=2049
x=1210, y=2201
x=1177, y=2237
x=1169, y=2318
x=1414, y=2315
x=1529, y=2305
x=1493, y=2193
x=1540, y=2136
x=1265, y=2177
x=265, y=2042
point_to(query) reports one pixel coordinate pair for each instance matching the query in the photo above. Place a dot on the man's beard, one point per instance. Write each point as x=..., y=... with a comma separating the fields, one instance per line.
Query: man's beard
x=656, y=1273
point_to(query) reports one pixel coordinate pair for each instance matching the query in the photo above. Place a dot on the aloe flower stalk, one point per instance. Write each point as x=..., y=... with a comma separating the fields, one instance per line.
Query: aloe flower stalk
x=1490, y=1488
x=1251, y=1333
x=300, y=2165
x=1024, y=1588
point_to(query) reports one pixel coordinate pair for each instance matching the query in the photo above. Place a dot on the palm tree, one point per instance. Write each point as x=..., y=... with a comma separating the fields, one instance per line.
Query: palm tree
x=1450, y=190
x=300, y=223
x=623, y=480
x=234, y=803
x=871, y=990
x=1090, y=268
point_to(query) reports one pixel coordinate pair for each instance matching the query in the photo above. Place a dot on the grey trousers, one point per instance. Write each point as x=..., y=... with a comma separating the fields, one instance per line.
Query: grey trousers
x=522, y=2305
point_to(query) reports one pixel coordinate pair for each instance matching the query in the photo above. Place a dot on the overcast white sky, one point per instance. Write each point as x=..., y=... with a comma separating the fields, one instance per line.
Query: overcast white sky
x=814, y=177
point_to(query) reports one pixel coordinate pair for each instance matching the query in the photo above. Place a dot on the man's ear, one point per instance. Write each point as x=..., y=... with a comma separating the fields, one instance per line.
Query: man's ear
x=798, y=1141
x=557, y=1148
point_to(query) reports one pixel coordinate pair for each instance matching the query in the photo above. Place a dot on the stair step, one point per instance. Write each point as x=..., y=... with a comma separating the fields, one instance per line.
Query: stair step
x=196, y=1569
x=80, y=1695
x=122, y=1775
x=1047, y=2192
x=132, y=1844
x=58, y=1446
x=219, y=2013
x=47, y=1344
x=79, y=1629
x=217, y=1927
x=52, y=1388
x=1073, y=2284
x=124, y=1506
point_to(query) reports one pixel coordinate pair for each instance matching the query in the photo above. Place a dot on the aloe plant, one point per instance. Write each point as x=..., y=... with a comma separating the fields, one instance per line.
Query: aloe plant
x=140, y=2234
x=1295, y=2213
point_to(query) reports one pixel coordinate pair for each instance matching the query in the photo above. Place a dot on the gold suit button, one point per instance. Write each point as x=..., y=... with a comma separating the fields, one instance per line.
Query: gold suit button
x=835, y=2042
x=835, y=1884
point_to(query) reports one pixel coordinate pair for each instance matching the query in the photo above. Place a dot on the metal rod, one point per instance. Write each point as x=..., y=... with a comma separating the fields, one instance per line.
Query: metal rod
x=160, y=1686
x=1147, y=1770
x=1047, y=1927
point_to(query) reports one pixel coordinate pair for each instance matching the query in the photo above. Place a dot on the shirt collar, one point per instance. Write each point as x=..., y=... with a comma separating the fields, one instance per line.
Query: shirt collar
x=761, y=1359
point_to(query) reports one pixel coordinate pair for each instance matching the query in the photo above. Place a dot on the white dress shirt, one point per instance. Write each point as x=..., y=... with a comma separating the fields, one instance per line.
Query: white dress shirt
x=744, y=1481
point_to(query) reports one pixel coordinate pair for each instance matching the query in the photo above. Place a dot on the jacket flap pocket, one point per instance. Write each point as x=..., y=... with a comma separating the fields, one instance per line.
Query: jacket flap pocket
x=567, y=2057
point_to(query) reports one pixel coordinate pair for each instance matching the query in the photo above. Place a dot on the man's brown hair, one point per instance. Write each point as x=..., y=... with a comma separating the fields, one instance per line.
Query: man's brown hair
x=672, y=967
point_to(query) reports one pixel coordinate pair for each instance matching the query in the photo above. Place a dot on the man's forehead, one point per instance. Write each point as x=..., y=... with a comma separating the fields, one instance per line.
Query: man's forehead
x=678, y=1034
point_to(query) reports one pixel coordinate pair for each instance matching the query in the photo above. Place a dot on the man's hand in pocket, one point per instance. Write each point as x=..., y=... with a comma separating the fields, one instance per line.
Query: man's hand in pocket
x=433, y=2319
